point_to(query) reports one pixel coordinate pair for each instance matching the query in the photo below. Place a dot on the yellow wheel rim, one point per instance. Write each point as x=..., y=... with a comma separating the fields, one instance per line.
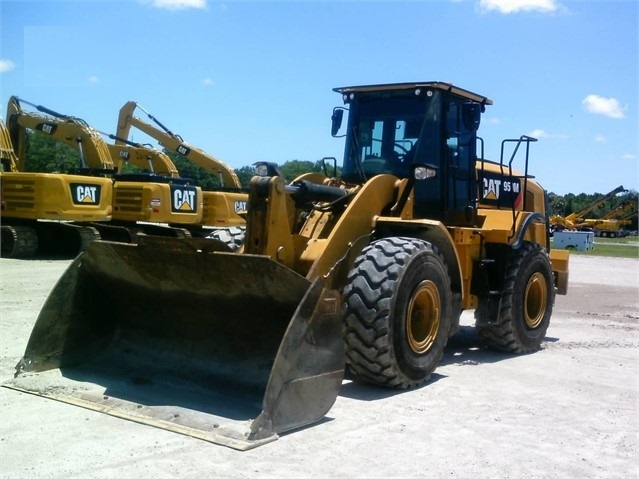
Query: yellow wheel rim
x=423, y=317
x=535, y=300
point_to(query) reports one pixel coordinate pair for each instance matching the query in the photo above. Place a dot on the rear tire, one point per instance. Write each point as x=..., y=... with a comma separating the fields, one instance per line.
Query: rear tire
x=518, y=323
x=397, y=312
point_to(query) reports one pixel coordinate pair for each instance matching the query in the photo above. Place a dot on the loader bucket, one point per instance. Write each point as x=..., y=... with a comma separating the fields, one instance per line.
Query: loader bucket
x=230, y=348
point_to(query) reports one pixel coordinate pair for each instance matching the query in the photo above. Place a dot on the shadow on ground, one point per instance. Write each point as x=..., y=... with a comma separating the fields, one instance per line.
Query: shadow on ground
x=464, y=348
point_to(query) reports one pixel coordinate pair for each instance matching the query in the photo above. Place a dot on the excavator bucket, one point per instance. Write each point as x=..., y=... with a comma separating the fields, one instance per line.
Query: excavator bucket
x=180, y=334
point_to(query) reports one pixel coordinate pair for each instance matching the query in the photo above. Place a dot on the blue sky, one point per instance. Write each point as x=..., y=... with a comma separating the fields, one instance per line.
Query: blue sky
x=252, y=80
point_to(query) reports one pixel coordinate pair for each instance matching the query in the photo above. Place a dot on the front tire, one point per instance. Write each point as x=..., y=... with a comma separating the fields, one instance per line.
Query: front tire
x=517, y=323
x=397, y=312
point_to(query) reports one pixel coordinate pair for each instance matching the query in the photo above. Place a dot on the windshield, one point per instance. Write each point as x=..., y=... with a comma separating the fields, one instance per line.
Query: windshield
x=387, y=135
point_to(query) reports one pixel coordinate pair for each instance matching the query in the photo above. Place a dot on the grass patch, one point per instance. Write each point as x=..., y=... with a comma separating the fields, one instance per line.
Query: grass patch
x=627, y=247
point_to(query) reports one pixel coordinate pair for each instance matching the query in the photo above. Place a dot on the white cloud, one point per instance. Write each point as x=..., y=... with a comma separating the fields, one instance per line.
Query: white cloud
x=609, y=107
x=178, y=4
x=538, y=134
x=600, y=138
x=515, y=6
x=6, y=65
x=629, y=156
x=207, y=81
x=94, y=79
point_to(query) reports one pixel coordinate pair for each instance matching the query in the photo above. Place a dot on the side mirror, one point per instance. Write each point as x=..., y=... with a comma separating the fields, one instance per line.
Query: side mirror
x=336, y=120
x=471, y=115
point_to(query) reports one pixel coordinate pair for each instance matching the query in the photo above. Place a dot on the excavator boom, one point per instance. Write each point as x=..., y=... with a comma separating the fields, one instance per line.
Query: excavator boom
x=69, y=130
x=222, y=208
x=173, y=142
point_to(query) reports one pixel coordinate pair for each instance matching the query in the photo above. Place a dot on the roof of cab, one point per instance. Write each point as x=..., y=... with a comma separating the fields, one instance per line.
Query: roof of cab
x=413, y=85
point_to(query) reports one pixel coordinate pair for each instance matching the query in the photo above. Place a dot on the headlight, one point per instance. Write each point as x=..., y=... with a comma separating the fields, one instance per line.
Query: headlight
x=423, y=173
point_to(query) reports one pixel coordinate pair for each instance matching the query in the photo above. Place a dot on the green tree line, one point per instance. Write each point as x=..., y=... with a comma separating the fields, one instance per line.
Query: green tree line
x=45, y=154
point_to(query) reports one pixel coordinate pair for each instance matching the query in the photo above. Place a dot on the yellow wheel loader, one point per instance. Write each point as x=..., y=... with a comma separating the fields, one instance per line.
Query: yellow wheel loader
x=368, y=271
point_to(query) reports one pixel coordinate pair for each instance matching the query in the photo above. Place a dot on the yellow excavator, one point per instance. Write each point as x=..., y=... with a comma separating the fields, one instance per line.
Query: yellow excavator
x=367, y=271
x=140, y=203
x=224, y=207
x=51, y=213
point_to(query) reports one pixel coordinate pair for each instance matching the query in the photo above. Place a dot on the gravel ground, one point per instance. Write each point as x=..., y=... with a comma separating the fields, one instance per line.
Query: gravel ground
x=569, y=410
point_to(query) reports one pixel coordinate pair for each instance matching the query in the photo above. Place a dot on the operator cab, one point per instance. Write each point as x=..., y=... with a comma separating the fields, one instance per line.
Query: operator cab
x=426, y=132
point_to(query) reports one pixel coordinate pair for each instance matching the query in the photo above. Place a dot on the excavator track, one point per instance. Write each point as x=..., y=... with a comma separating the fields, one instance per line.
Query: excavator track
x=64, y=239
x=69, y=239
x=19, y=241
x=46, y=238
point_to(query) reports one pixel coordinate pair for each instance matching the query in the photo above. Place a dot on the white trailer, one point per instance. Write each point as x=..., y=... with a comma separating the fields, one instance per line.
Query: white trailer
x=579, y=240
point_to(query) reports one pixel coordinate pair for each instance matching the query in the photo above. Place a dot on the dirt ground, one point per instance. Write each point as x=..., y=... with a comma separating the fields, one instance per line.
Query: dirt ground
x=570, y=410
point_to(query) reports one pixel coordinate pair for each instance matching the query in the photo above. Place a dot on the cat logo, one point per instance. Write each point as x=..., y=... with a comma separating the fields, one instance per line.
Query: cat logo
x=47, y=128
x=240, y=207
x=500, y=189
x=83, y=194
x=183, y=150
x=183, y=199
x=491, y=189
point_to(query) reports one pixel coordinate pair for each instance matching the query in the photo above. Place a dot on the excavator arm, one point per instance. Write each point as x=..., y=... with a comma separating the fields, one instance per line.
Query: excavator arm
x=72, y=131
x=174, y=142
x=142, y=156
